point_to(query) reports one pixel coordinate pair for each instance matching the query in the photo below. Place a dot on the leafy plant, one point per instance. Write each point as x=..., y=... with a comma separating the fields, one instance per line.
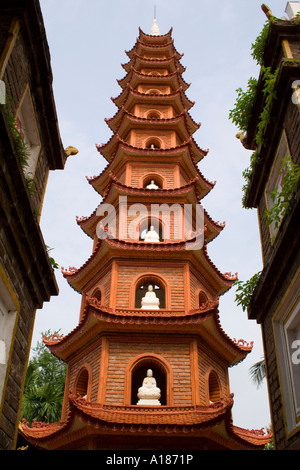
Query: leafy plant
x=246, y=290
x=258, y=372
x=282, y=195
x=22, y=151
x=52, y=260
x=269, y=94
x=44, y=386
x=247, y=175
x=297, y=18
x=259, y=45
x=241, y=112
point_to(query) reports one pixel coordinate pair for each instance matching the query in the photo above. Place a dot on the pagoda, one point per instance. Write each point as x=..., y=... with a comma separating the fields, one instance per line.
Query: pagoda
x=148, y=362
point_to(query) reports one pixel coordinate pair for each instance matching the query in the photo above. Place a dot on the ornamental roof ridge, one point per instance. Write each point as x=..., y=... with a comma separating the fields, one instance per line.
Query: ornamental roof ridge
x=132, y=418
x=228, y=277
x=93, y=179
x=173, y=59
x=149, y=192
x=241, y=345
x=115, y=136
x=184, y=114
x=153, y=47
x=132, y=70
x=161, y=36
x=154, y=59
x=139, y=41
x=184, y=189
x=128, y=89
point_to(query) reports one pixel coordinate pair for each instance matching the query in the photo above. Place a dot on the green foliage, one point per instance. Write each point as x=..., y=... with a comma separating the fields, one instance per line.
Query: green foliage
x=269, y=94
x=246, y=290
x=22, y=151
x=241, y=112
x=297, y=18
x=258, y=47
x=282, y=196
x=258, y=372
x=52, y=260
x=44, y=386
x=247, y=175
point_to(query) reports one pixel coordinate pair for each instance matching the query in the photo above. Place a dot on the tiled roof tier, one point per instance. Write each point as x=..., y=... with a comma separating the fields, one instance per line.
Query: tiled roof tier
x=123, y=119
x=109, y=149
x=187, y=194
x=125, y=151
x=172, y=63
x=213, y=421
x=203, y=321
x=129, y=96
x=161, y=39
x=134, y=77
x=108, y=248
x=162, y=49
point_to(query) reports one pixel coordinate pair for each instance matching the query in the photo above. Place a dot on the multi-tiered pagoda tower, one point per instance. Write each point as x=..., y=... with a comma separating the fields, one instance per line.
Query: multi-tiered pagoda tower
x=148, y=362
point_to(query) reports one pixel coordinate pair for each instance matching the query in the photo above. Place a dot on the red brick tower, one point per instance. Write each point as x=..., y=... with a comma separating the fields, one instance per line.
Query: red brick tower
x=177, y=335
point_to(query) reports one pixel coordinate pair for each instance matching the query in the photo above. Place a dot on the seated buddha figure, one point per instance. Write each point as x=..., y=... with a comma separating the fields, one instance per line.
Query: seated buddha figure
x=150, y=301
x=152, y=185
x=149, y=393
x=151, y=236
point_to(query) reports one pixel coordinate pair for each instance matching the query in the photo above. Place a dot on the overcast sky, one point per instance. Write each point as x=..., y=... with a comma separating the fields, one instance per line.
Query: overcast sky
x=88, y=40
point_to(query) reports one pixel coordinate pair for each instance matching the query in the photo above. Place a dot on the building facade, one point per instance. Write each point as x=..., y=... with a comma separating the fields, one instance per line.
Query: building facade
x=30, y=146
x=148, y=362
x=275, y=302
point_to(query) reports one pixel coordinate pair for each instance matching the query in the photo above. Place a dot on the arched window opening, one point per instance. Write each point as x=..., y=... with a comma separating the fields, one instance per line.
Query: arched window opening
x=153, y=114
x=139, y=373
x=202, y=298
x=151, y=230
x=153, y=181
x=150, y=294
x=153, y=143
x=82, y=383
x=154, y=73
x=97, y=294
x=214, y=387
x=153, y=91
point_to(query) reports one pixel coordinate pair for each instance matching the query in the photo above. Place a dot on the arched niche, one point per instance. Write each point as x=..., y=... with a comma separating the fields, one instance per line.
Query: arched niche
x=136, y=371
x=153, y=91
x=140, y=286
x=214, y=387
x=145, y=225
x=158, y=179
x=153, y=114
x=153, y=143
x=82, y=384
x=202, y=298
x=97, y=294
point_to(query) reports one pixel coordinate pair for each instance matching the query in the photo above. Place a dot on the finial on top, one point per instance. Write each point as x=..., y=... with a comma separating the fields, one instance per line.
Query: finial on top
x=155, y=29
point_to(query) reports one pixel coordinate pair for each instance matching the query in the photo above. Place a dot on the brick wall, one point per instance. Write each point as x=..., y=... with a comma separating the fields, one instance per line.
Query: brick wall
x=121, y=353
x=208, y=361
x=128, y=273
x=90, y=356
x=138, y=171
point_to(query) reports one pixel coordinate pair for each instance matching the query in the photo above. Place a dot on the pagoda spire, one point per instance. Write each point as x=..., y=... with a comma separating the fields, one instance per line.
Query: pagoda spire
x=154, y=29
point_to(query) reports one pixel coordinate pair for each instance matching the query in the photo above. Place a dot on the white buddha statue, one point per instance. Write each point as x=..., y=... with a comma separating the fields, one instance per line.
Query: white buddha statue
x=151, y=236
x=152, y=185
x=149, y=393
x=150, y=301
